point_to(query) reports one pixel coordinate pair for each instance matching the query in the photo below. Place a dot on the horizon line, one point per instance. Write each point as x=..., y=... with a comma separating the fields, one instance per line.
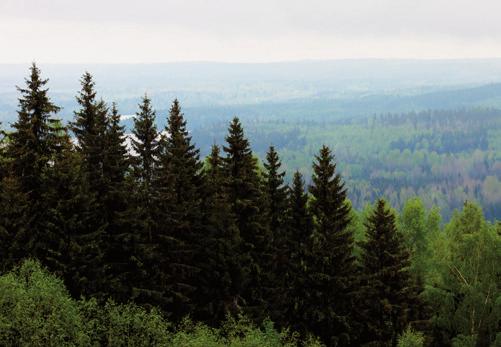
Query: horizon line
x=257, y=62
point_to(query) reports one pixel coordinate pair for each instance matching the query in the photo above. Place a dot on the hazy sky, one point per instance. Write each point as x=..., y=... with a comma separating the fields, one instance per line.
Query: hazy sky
x=71, y=31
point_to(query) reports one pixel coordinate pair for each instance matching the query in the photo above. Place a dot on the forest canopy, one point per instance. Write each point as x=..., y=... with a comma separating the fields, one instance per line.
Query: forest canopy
x=109, y=238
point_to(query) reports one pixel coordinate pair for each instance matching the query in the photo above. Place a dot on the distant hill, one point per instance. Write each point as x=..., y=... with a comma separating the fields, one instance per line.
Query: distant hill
x=292, y=90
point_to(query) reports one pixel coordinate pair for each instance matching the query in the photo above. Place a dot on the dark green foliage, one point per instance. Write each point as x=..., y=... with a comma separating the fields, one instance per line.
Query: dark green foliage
x=220, y=277
x=142, y=208
x=387, y=289
x=28, y=153
x=330, y=260
x=14, y=208
x=120, y=238
x=145, y=142
x=89, y=127
x=90, y=130
x=275, y=194
x=298, y=233
x=243, y=189
x=68, y=206
x=179, y=197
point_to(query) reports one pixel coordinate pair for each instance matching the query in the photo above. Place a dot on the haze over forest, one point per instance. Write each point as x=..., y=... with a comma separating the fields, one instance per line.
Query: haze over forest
x=298, y=106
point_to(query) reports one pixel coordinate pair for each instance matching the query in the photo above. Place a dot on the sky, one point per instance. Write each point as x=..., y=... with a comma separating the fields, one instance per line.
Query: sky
x=152, y=31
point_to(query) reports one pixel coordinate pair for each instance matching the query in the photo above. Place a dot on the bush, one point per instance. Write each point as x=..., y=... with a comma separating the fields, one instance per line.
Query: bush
x=123, y=325
x=411, y=338
x=36, y=310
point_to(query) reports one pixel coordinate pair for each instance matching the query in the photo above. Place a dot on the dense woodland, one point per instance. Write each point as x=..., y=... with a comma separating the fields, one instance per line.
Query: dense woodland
x=443, y=156
x=136, y=233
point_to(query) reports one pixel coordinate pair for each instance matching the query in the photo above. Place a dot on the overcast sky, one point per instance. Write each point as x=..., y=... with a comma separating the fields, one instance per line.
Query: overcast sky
x=87, y=31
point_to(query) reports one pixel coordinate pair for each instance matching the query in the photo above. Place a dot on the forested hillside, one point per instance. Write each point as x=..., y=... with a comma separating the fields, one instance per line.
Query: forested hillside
x=145, y=240
x=444, y=157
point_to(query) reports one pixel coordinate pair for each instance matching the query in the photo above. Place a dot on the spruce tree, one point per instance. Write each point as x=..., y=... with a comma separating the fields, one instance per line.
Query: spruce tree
x=142, y=209
x=89, y=128
x=276, y=198
x=119, y=239
x=14, y=211
x=220, y=277
x=28, y=153
x=387, y=293
x=70, y=219
x=298, y=233
x=331, y=264
x=243, y=189
x=145, y=143
x=179, y=186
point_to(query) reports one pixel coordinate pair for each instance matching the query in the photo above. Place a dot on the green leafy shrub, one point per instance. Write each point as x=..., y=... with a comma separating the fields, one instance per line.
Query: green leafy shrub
x=123, y=325
x=411, y=338
x=464, y=341
x=36, y=310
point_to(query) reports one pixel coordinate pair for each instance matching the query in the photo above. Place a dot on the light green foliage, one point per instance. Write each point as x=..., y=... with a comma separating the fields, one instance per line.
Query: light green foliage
x=433, y=221
x=412, y=224
x=36, y=310
x=464, y=288
x=411, y=338
x=130, y=325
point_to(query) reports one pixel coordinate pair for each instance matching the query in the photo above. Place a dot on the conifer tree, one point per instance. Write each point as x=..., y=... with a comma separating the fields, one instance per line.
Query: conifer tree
x=70, y=219
x=220, y=276
x=14, y=209
x=298, y=233
x=28, y=154
x=145, y=144
x=243, y=189
x=179, y=187
x=331, y=264
x=275, y=196
x=275, y=193
x=141, y=213
x=120, y=238
x=89, y=128
x=386, y=282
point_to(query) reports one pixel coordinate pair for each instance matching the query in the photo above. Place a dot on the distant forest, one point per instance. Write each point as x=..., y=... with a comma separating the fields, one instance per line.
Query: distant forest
x=142, y=239
x=444, y=157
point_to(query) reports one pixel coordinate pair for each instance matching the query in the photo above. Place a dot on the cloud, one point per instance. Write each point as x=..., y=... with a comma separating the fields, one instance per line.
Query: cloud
x=258, y=30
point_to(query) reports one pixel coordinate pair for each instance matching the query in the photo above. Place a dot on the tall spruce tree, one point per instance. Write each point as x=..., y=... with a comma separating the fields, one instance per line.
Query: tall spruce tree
x=89, y=128
x=243, y=189
x=298, y=233
x=119, y=239
x=387, y=288
x=276, y=199
x=179, y=186
x=220, y=277
x=142, y=208
x=331, y=264
x=28, y=153
x=70, y=218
